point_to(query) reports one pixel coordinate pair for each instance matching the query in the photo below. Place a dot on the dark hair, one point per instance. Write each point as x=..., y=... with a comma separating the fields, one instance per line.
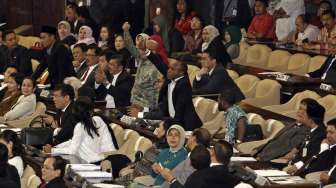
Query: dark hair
x=86, y=91
x=200, y=157
x=326, y=2
x=59, y=164
x=223, y=151
x=110, y=39
x=118, y=58
x=18, y=77
x=203, y=136
x=328, y=12
x=332, y=123
x=187, y=9
x=72, y=6
x=304, y=17
x=212, y=54
x=315, y=111
x=83, y=11
x=11, y=136
x=265, y=2
x=5, y=33
x=31, y=79
x=200, y=19
x=95, y=48
x=183, y=66
x=82, y=110
x=82, y=46
x=3, y=160
x=66, y=89
x=167, y=123
x=228, y=96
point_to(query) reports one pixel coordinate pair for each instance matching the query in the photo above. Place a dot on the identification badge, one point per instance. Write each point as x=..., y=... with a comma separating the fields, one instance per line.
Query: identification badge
x=304, y=152
x=234, y=12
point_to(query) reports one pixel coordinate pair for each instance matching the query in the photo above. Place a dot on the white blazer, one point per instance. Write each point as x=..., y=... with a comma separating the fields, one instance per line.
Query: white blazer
x=24, y=106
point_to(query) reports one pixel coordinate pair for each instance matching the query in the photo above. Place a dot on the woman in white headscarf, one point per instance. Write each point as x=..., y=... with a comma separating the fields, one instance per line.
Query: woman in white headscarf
x=64, y=33
x=85, y=36
x=209, y=33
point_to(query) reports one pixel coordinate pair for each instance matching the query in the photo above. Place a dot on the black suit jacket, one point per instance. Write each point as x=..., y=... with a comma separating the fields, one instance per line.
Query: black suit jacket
x=313, y=147
x=121, y=92
x=80, y=72
x=332, y=178
x=9, y=177
x=214, y=177
x=56, y=183
x=90, y=81
x=18, y=58
x=320, y=162
x=67, y=125
x=217, y=82
x=331, y=74
x=182, y=99
x=59, y=64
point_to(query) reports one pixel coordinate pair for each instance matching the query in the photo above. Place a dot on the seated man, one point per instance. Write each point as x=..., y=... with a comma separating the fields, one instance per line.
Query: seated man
x=291, y=137
x=325, y=160
x=53, y=172
x=13, y=54
x=327, y=71
x=304, y=32
x=262, y=23
x=175, y=99
x=214, y=79
x=115, y=85
x=79, y=62
x=64, y=123
x=88, y=77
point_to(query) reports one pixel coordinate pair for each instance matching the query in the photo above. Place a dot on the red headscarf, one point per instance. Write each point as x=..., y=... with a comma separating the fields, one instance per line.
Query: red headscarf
x=161, y=50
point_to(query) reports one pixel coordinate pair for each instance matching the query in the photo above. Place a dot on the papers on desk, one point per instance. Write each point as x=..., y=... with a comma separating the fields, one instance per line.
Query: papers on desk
x=270, y=173
x=94, y=174
x=243, y=159
x=85, y=167
x=104, y=185
x=287, y=179
x=270, y=73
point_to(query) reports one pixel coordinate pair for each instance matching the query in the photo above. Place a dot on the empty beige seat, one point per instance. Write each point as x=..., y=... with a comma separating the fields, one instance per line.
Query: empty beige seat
x=253, y=118
x=267, y=93
x=329, y=103
x=133, y=144
x=270, y=128
x=34, y=63
x=278, y=60
x=206, y=109
x=243, y=46
x=233, y=74
x=316, y=62
x=247, y=84
x=214, y=124
x=28, y=41
x=298, y=64
x=192, y=72
x=118, y=133
x=29, y=178
x=291, y=107
x=257, y=55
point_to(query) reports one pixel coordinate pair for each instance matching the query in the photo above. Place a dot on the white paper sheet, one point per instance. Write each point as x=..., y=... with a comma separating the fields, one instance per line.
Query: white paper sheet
x=95, y=174
x=85, y=167
x=269, y=173
x=235, y=159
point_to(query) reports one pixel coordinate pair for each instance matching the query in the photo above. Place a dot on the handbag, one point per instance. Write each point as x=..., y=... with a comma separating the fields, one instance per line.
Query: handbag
x=253, y=132
x=37, y=136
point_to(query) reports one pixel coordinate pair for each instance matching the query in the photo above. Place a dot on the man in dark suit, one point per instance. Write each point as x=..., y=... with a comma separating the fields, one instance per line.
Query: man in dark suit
x=56, y=57
x=175, y=97
x=325, y=160
x=52, y=173
x=213, y=78
x=114, y=85
x=327, y=71
x=71, y=15
x=63, y=123
x=13, y=54
x=291, y=136
x=88, y=77
x=79, y=63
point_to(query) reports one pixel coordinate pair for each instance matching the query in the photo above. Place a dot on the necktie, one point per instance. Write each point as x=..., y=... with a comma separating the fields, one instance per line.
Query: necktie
x=85, y=75
x=43, y=185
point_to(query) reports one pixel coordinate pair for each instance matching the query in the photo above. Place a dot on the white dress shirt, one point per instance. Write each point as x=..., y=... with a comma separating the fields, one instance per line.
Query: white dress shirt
x=17, y=162
x=171, y=87
x=86, y=147
x=90, y=69
x=198, y=78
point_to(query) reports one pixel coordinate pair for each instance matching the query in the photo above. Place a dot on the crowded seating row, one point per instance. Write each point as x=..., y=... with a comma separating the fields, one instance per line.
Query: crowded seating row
x=262, y=56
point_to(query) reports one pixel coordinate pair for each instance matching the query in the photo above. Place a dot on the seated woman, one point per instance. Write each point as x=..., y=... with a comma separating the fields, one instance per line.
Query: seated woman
x=213, y=42
x=183, y=16
x=26, y=103
x=91, y=136
x=12, y=93
x=105, y=38
x=232, y=37
x=3, y=84
x=15, y=149
x=9, y=176
x=85, y=36
x=161, y=29
x=144, y=166
x=168, y=158
x=235, y=118
x=193, y=40
x=120, y=49
x=65, y=35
